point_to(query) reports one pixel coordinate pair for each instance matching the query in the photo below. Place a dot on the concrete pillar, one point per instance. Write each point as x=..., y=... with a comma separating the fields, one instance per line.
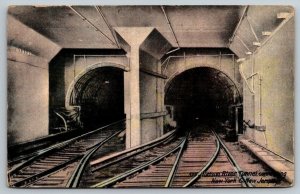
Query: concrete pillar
x=133, y=104
x=160, y=102
x=131, y=39
x=127, y=107
x=144, y=47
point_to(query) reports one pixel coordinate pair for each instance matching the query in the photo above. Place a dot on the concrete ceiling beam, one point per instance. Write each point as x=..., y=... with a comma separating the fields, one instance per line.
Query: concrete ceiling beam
x=147, y=39
x=21, y=36
x=283, y=15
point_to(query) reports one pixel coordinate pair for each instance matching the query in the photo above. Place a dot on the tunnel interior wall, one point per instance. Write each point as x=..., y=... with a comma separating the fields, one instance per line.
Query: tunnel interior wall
x=201, y=95
x=28, y=55
x=151, y=100
x=274, y=61
x=221, y=60
x=66, y=70
x=28, y=94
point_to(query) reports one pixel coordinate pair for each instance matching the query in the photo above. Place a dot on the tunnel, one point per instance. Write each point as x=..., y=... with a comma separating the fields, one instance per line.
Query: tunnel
x=201, y=95
x=100, y=95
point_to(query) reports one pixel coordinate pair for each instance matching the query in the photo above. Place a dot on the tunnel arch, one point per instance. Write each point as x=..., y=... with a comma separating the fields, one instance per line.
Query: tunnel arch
x=84, y=72
x=190, y=67
x=98, y=94
x=217, y=95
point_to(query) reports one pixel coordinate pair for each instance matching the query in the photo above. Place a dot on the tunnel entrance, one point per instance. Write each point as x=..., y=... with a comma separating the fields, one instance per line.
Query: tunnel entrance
x=99, y=94
x=201, y=95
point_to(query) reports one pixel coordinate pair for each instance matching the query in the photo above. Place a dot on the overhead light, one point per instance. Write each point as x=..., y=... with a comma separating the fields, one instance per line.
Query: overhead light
x=21, y=50
x=266, y=33
x=283, y=15
x=256, y=43
x=106, y=82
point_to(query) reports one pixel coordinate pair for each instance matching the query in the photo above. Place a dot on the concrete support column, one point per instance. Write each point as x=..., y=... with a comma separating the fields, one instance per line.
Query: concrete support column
x=160, y=102
x=130, y=40
x=143, y=107
x=132, y=100
x=127, y=107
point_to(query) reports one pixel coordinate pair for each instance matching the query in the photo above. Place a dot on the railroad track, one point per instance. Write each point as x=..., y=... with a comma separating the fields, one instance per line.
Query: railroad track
x=222, y=170
x=193, y=161
x=62, y=165
x=130, y=162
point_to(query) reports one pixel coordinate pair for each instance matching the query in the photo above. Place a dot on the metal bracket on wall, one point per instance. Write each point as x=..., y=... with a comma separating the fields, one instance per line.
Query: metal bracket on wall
x=245, y=79
x=152, y=73
x=153, y=115
x=260, y=128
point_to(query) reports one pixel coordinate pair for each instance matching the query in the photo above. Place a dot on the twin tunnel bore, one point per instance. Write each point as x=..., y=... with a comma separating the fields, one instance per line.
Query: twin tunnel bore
x=201, y=94
x=100, y=95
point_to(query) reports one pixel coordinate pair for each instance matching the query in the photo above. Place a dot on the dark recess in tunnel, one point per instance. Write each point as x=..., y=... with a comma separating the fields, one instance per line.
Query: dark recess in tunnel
x=100, y=95
x=200, y=95
x=87, y=93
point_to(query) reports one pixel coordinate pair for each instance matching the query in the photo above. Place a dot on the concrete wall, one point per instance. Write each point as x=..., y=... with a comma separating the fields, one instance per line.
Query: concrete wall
x=274, y=61
x=57, y=81
x=151, y=100
x=81, y=64
x=27, y=97
x=64, y=70
x=28, y=55
x=214, y=59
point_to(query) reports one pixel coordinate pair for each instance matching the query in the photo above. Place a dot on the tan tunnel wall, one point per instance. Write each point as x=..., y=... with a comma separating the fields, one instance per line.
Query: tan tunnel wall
x=28, y=55
x=28, y=95
x=222, y=62
x=74, y=69
x=273, y=104
x=151, y=98
x=66, y=70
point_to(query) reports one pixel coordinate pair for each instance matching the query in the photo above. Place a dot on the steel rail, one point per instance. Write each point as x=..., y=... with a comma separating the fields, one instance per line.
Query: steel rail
x=234, y=163
x=33, y=153
x=63, y=119
x=74, y=181
x=207, y=166
x=122, y=176
x=34, y=177
x=134, y=152
x=263, y=147
x=176, y=163
x=56, y=147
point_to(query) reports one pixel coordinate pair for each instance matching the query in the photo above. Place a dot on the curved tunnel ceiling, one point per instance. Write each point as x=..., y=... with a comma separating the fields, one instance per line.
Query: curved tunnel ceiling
x=200, y=92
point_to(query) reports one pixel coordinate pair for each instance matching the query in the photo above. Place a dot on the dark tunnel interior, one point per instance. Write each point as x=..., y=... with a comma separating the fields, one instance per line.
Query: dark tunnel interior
x=100, y=95
x=200, y=95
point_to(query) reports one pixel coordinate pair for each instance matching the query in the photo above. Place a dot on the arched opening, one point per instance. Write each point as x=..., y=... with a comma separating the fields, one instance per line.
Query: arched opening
x=201, y=94
x=100, y=95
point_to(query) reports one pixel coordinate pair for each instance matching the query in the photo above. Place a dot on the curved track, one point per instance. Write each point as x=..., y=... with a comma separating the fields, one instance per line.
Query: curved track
x=198, y=158
x=68, y=158
x=107, y=173
x=192, y=164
